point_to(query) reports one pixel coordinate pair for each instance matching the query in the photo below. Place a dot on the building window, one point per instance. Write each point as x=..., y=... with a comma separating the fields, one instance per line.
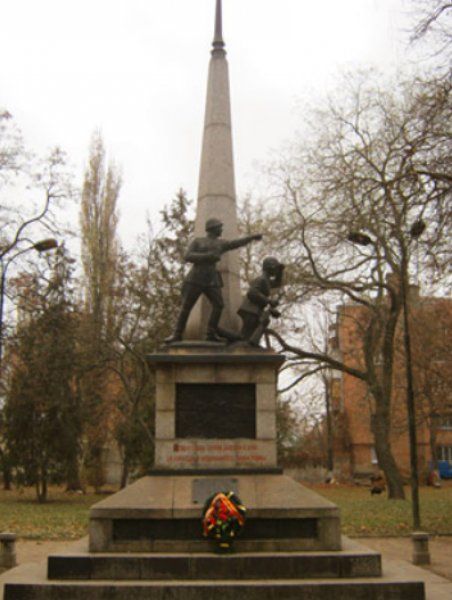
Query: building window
x=445, y=453
x=373, y=456
x=445, y=422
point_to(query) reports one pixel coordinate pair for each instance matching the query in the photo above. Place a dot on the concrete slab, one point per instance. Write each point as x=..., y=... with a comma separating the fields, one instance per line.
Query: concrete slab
x=247, y=489
x=281, y=496
x=371, y=589
x=354, y=562
x=437, y=588
x=265, y=496
x=266, y=425
x=165, y=424
x=159, y=512
x=266, y=396
x=165, y=397
x=151, y=497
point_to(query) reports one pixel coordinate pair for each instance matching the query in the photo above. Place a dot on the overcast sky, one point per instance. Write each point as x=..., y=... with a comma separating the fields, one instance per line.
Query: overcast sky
x=137, y=70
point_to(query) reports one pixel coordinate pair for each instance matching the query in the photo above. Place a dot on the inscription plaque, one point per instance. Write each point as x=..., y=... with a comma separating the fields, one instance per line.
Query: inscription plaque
x=204, y=488
x=215, y=411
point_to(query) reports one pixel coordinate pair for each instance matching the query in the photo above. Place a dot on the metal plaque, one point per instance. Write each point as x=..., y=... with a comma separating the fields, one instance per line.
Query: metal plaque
x=202, y=489
x=215, y=411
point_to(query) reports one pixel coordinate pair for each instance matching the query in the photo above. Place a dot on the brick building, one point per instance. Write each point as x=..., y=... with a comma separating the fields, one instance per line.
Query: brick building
x=351, y=403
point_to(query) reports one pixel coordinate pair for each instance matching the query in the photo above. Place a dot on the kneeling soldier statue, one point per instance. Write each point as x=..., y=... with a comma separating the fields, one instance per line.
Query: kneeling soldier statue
x=204, y=278
x=257, y=306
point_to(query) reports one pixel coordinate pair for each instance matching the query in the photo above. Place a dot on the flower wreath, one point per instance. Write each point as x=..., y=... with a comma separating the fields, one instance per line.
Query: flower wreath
x=223, y=518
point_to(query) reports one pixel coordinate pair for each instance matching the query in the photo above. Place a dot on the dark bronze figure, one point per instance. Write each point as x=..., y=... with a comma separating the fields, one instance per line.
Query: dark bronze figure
x=204, y=278
x=257, y=306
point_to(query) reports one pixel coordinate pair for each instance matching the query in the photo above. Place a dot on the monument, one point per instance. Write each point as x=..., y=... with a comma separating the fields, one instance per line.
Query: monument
x=215, y=431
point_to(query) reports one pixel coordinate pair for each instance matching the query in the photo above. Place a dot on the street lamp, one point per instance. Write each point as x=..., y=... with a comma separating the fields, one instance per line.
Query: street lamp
x=363, y=239
x=45, y=245
x=41, y=246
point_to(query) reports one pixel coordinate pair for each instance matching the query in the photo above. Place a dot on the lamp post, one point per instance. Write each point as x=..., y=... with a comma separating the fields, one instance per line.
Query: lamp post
x=41, y=246
x=363, y=239
x=410, y=396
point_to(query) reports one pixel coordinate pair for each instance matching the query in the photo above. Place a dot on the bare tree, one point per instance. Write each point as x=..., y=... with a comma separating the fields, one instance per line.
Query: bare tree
x=12, y=151
x=357, y=192
x=433, y=17
x=31, y=191
x=146, y=297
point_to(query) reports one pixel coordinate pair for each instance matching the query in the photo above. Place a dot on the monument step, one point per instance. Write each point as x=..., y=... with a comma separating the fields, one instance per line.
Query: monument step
x=203, y=566
x=203, y=545
x=206, y=590
x=163, y=514
x=185, y=535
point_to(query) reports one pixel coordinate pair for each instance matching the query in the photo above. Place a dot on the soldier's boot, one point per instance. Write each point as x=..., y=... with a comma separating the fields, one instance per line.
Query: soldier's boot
x=179, y=329
x=250, y=322
x=175, y=337
x=212, y=336
x=230, y=336
x=255, y=338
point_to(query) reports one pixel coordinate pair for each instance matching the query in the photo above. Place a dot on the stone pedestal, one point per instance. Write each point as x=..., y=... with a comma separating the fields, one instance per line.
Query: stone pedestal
x=162, y=513
x=7, y=550
x=215, y=431
x=215, y=408
x=421, y=553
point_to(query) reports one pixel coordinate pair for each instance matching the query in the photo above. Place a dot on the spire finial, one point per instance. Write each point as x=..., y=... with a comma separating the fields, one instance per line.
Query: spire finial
x=218, y=42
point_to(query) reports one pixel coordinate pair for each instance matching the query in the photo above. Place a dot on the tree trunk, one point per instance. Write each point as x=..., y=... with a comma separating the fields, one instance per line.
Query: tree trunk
x=380, y=429
x=41, y=483
x=7, y=473
x=329, y=428
x=41, y=489
x=433, y=446
x=95, y=468
x=73, y=482
x=125, y=472
x=44, y=488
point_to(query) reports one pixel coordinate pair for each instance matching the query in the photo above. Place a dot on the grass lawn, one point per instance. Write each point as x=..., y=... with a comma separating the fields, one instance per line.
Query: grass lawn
x=365, y=515
x=65, y=516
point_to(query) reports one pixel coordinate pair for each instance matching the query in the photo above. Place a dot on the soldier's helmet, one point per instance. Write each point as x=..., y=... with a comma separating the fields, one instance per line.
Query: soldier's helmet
x=213, y=223
x=271, y=264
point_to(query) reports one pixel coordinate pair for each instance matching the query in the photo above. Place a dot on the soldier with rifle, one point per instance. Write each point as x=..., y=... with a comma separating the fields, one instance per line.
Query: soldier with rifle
x=204, y=278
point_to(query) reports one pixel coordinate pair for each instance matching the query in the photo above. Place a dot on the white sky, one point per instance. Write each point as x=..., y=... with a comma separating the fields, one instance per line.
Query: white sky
x=137, y=70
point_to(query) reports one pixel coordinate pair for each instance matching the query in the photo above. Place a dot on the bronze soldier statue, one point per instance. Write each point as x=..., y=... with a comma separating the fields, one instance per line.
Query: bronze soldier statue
x=204, y=278
x=257, y=306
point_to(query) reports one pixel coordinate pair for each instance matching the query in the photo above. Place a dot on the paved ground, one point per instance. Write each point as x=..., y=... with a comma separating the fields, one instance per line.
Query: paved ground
x=36, y=551
x=401, y=549
x=396, y=554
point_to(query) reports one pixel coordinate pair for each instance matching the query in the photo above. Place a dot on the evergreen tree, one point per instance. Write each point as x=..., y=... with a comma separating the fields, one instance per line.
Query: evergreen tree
x=42, y=414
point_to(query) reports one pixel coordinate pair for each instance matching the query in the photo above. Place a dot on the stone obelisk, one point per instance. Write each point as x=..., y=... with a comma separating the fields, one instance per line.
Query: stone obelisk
x=216, y=191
